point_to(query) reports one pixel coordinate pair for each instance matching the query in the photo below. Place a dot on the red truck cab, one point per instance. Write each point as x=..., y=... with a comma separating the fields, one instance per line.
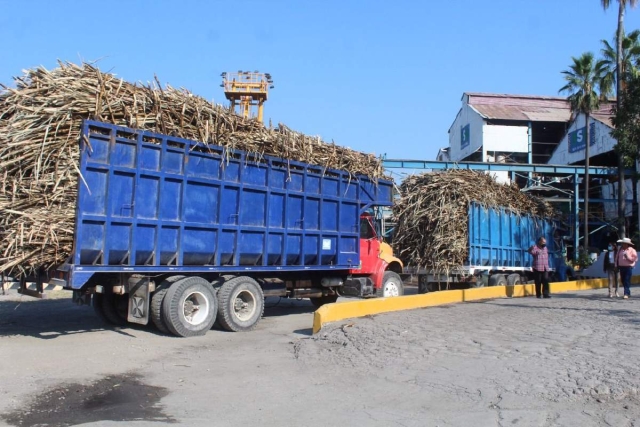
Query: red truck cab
x=379, y=270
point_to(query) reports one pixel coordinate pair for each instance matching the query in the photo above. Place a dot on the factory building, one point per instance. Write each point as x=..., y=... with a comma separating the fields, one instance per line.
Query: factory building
x=541, y=130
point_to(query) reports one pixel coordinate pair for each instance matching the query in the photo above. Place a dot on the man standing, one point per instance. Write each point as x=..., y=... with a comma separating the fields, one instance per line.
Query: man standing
x=541, y=267
x=625, y=261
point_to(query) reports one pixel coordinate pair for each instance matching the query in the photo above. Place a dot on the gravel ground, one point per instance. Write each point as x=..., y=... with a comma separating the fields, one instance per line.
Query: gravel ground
x=569, y=360
x=566, y=361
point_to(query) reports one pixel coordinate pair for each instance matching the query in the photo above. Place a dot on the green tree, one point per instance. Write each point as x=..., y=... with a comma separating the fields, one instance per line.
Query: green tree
x=583, y=79
x=626, y=120
x=622, y=6
x=630, y=60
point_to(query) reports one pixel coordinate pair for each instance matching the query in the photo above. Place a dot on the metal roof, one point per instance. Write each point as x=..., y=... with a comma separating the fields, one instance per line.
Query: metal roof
x=604, y=114
x=529, y=108
x=520, y=107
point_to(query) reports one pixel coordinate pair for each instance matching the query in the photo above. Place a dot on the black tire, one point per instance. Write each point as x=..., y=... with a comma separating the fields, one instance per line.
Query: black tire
x=326, y=299
x=392, y=285
x=435, y=286
x=241, y=304
x=514, y=279
x=96, y=302
x=110, y=308
x=477, y=284
x=423, y=285
x=155, y=309
x=217, y=283
x=497, y=280
x=191, y=296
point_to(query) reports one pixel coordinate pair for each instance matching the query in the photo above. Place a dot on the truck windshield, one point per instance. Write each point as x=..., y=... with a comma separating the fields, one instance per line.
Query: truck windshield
x=366, y=230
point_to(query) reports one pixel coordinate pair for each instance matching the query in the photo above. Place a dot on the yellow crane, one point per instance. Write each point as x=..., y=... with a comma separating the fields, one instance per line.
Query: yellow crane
x=246, y=89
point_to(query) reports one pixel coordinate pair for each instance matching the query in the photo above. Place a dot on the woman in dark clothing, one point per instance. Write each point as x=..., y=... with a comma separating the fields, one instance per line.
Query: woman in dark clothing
x=611, y=269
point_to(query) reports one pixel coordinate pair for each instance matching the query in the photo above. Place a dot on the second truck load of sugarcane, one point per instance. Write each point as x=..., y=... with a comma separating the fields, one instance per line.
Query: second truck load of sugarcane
x=458, y=225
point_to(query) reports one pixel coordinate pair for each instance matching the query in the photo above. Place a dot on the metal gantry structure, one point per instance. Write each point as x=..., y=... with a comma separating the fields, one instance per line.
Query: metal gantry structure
x=245, y=90
x=533, y=173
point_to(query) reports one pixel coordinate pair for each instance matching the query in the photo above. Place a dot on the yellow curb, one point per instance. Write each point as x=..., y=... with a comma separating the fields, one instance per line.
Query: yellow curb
x=360, y=308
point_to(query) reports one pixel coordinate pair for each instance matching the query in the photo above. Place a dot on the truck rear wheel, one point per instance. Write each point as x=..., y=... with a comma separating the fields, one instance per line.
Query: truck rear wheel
x=326, y=299
x=514, y=279
x=110, y=308
x=155, y=309
x=392, y=285
x=497, y=280
x=423, y=284
x=241, y=304
x=189, y=307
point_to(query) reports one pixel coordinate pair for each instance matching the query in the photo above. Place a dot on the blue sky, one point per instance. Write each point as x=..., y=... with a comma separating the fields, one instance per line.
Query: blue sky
x=377, y=76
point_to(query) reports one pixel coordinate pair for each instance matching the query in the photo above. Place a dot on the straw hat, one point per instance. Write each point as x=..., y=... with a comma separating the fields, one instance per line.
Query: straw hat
x=626, y=240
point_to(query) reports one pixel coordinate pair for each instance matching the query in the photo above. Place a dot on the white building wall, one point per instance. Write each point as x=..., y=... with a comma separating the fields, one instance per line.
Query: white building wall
x=499, y=140
x=510, y=139
x=491, y=139
x=466, y=117
x=603, y=142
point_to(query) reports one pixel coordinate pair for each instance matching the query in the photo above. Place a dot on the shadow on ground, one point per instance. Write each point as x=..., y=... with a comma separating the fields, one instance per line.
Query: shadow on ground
x=47, y=318
x=53, y=318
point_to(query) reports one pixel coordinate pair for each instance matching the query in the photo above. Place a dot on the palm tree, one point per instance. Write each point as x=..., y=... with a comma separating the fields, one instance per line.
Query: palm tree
x=622, y=6
x=630, y=61
x=584, y=77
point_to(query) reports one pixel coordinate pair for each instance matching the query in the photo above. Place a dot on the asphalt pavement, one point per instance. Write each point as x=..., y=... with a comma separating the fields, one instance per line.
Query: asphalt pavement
x=567, y=361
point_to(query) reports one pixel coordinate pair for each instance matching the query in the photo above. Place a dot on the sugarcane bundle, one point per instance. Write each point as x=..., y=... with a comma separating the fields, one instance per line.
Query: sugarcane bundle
x=432, y=214
x=40, y=123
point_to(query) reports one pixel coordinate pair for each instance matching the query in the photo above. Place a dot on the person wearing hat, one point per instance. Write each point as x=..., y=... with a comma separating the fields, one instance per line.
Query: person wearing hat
x=625, y=261
x=540, y=267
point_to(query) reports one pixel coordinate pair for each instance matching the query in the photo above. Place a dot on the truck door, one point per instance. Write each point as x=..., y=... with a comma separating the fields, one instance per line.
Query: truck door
x=369, y=246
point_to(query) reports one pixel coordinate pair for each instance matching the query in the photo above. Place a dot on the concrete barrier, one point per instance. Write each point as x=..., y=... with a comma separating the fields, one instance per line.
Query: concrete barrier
x=360, y=308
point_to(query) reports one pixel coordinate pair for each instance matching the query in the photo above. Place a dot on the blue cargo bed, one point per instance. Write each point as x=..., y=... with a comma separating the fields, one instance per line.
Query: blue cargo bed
x=501, y=238
x=153, y=203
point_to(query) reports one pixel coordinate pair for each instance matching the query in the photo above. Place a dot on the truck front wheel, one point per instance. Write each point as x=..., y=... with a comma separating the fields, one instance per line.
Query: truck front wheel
x=241, y=304
x=392, y=285
x=189, y=307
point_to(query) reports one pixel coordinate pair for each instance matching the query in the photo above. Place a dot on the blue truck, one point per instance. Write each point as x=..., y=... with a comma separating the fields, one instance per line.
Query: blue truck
x=497, y=249
x=181, y=234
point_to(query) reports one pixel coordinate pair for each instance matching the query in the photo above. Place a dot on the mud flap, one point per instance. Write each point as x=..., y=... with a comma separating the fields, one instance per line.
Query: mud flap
x=81, y=297
x=139, y=293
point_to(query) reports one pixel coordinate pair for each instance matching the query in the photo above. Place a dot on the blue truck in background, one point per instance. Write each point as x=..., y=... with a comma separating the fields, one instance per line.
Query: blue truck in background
x=182, y=234
x=497, y=249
